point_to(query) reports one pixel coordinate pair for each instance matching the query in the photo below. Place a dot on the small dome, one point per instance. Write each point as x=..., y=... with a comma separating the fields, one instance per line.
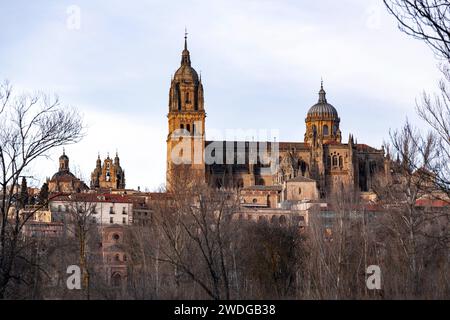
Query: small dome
x=322, y=107
x=186, y=73
x=63, y=157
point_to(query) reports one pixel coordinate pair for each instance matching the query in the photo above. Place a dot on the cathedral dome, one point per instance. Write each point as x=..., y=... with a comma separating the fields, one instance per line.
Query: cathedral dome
x=322, y=108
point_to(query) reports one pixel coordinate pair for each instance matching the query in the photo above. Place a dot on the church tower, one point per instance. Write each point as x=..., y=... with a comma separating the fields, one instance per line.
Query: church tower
x=186, y=138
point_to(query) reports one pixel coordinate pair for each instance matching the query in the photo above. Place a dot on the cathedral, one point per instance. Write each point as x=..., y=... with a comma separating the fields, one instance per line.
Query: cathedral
x=108, y=175
x=322, y=156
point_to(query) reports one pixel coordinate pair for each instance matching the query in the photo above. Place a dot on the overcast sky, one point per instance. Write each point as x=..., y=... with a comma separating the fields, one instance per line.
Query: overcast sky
x=261, y=63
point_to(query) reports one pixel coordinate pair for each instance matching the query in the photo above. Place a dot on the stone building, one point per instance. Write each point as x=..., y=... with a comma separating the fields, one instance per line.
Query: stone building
x=65, y=181
x=321, y=157
x=108, y=175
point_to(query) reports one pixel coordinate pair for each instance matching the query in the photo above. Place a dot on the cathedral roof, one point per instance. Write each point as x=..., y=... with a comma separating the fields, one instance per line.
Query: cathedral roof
x=322, y=107
x=64, y=176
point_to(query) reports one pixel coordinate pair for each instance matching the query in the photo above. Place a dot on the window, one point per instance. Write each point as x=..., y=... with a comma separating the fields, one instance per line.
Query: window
x=193, y=128
x=181, y=126
x=325, y=130
x=187, y=97
x=59, y=208
x=255, y=200
x=299, y=190
x=115, y=236
x=124, y=210
x=111, y=220
x=117, y=257
x=188, y=127
x=335, y=161
x=124, y=220
x=111, y=210
x=116, y=280
x=340, y=162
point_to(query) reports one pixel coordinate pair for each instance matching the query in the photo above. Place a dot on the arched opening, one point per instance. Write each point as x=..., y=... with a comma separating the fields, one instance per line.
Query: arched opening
x=341, y=164
x=274, y=220
x=283, y=220
x=116, y=280
x=335, y=161
x=325, y=130
x=188, y=127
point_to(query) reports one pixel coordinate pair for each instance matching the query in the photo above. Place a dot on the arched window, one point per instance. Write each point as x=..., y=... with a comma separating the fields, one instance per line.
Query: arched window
x=299, y=190
x=117, y=257
x=335, y=161
x=187, y=97
x=181, y=126
x=188, y=127
x=193, y=129
x=116, y=280
x=325, y=130
x=341, y=164
x=314, y=128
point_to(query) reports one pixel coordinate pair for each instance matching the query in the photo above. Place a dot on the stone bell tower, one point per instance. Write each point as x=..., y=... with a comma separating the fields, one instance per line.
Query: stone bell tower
x=186, y=138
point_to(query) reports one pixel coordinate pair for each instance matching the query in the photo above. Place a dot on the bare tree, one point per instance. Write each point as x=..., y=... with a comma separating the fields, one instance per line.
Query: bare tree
x=426, y=20
x=30, y=127
x=195, y=230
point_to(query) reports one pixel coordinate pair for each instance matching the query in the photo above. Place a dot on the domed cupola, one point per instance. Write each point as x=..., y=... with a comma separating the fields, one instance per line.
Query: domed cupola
x=322, y=108
x=186, y=90
x=322, y=121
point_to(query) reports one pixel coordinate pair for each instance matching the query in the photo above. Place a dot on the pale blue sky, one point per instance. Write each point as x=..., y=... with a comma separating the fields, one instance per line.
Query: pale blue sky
x=261, y=64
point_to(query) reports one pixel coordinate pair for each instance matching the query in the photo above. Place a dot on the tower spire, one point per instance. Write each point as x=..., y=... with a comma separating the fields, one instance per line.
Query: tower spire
x=322, y=93
x=185, y=57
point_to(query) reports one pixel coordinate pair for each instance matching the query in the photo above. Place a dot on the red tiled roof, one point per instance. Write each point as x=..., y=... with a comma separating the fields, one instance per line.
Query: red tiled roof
x=435, y=203
x=93, y=197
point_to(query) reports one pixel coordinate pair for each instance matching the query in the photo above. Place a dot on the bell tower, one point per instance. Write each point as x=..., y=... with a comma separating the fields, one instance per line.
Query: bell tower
x=186, y=138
